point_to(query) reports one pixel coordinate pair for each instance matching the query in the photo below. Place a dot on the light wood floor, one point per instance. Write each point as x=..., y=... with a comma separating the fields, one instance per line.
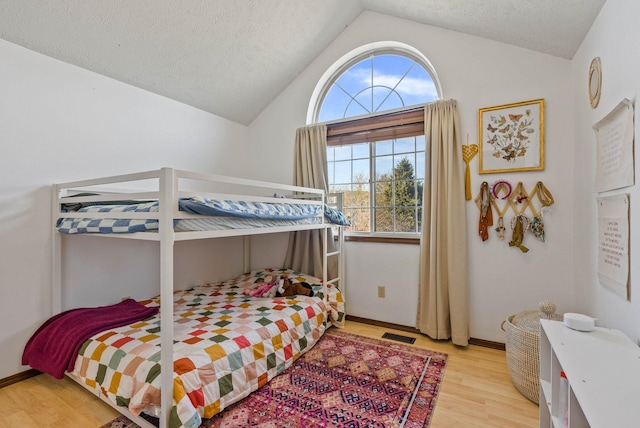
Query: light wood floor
x=476, y=392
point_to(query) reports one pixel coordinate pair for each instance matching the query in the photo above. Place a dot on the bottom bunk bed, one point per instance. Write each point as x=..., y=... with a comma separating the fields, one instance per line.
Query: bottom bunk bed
x=230, y=338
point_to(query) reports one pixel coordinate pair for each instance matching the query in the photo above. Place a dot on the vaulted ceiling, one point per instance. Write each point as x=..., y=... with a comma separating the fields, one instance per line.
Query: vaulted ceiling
x=233, y=57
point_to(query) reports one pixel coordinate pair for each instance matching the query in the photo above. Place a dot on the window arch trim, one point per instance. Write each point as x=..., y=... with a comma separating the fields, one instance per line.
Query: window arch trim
x=355, y=56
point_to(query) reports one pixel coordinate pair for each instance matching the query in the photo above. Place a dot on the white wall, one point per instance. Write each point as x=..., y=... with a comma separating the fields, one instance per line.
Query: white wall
x=61, y=123
x=614, y=38
x=478, y=73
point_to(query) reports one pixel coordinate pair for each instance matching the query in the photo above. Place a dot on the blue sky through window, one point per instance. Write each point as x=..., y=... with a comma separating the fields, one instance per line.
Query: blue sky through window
x=375, y=84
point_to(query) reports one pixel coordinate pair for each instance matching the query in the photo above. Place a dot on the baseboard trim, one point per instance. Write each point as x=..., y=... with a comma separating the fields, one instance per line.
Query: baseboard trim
x=408, y=329
x=18, y=377
x=487, y=344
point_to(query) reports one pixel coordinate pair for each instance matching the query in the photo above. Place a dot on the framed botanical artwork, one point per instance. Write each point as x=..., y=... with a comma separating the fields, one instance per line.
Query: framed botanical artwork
x=511, y=137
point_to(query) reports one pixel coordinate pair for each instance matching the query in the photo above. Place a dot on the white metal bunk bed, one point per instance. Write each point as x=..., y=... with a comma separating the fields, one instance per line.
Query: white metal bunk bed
x=168, y=186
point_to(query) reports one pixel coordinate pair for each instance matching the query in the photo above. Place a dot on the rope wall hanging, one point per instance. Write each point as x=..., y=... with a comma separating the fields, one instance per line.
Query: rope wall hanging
x=468, y=152
x=501, y=197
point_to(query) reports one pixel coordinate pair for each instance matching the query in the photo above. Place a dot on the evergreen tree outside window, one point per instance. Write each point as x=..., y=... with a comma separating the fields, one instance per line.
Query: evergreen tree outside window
x=381, y=176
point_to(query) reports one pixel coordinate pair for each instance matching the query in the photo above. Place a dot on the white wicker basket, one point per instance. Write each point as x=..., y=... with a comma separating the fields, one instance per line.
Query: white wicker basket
x=522, y=345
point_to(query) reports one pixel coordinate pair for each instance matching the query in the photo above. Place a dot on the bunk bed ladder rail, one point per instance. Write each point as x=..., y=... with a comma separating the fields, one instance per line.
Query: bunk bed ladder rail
x=339, y=254
x=56, y=253
x=336, y=200
x=168, y=193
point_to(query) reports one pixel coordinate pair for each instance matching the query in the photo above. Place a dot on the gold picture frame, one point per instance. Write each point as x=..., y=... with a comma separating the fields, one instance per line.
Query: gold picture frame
x=511, y=137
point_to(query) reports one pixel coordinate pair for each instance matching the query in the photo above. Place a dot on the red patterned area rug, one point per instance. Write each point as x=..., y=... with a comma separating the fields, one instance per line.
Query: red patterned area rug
x=345, y=380
x=120, y=422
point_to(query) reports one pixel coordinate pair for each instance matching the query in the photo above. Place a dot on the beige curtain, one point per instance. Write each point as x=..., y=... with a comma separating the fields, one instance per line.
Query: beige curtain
x=304, y=252
x=443, y=295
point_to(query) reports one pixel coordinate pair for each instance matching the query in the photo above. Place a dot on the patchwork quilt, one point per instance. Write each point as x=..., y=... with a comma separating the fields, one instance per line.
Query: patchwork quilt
x=227, y=344
x=268, y=213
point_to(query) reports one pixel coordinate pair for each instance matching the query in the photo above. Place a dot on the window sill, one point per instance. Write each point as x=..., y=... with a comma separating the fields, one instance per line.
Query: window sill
x=382, y=239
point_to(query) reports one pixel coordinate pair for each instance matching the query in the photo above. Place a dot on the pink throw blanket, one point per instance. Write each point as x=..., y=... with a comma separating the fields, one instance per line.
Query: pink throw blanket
x=53, y=348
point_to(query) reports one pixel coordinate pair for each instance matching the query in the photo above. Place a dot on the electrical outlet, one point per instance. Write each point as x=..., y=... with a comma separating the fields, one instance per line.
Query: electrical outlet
x=381, y=291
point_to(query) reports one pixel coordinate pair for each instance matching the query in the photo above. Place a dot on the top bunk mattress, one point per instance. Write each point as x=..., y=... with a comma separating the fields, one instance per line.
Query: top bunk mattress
x=208, y=214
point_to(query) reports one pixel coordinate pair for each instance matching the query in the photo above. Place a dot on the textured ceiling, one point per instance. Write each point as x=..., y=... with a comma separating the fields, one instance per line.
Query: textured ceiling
x=232, y=58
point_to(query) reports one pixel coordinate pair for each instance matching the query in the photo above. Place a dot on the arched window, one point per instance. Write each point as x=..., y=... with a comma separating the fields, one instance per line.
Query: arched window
x=372, y=101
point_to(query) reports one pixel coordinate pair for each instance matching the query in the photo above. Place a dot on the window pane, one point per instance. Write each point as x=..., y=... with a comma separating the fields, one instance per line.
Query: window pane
x=383, y=147
x=360, y=195
x=347, y=196
x=405, y=145
x=359, y=218
x=330, y=154
x=361, y=171
x=340, y=188
x=403, y=169
x=420, y=165
x=357, y=77
x=389, y=72
x=390, y=68
x=385, y=98
x=342, y=152
x=405, y=220
x=419, y=192
x=333, y=104
x=408, y=161
x=348, y=215
x=384, y=194
x=356, y=109
x=361, y=103
x=384, y=220
x=360, y=150
x=384, y=167
x=405, y=193
x=417, y=87
x=420, y=144
x=342, y=172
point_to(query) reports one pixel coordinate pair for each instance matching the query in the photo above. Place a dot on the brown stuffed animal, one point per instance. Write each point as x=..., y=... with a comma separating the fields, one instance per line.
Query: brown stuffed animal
x=289, y=288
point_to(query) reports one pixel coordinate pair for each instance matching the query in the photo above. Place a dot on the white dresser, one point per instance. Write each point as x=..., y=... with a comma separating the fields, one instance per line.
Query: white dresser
x=603, y=370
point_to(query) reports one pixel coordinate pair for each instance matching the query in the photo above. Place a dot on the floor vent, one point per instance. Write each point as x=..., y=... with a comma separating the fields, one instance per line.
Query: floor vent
x=399, y=338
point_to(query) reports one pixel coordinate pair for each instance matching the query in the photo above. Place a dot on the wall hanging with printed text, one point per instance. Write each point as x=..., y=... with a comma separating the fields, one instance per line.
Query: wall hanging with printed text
x=614, y=148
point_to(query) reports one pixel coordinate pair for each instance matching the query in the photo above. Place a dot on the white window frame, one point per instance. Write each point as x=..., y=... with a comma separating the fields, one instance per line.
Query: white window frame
x=326, y=82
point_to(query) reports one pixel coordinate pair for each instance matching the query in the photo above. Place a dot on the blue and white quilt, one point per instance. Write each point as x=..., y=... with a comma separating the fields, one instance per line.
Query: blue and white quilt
x=244, y=209
x=271, y=214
